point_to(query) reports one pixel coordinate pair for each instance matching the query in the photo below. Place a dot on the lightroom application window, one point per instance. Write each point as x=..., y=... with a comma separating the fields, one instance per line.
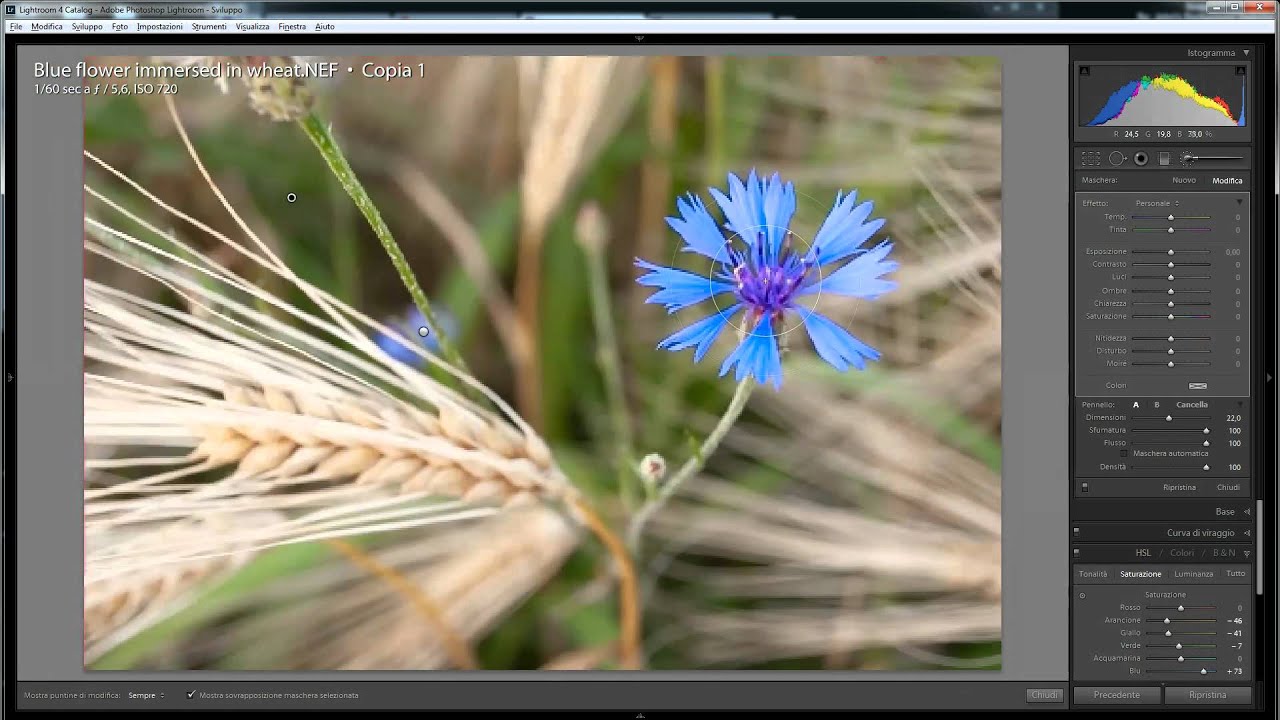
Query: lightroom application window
x=640, y=357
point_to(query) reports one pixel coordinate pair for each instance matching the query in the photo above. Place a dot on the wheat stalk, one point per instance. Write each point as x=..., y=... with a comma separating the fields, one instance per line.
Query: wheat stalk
x=456, y=647
x=467, y=245
x=793, y=534
x=582, y=101
x=240, y=386
x=761, y=636
x=472, y=460
x=475, y=573
x=343, y=457
x=811, y=577
x=566, y=130
x=877, y=510
x=511, y=556
x=223, y=407
x=289, y=422
x=119, y=605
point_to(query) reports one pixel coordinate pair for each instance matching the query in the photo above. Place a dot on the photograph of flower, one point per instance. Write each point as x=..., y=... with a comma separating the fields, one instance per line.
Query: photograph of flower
x=544, y=363
x=762, y=265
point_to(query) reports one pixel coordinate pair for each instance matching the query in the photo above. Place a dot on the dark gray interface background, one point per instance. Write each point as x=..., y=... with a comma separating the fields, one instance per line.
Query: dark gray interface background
x=49, y=287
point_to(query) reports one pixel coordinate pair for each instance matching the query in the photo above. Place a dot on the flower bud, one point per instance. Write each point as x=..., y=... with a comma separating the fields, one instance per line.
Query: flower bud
x=652, y=469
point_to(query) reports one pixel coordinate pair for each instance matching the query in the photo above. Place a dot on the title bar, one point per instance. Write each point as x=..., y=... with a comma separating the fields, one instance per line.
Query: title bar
x=671, y=9
x=642, y=27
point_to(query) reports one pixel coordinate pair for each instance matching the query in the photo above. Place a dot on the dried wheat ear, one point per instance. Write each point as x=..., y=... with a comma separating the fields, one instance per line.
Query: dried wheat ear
x=120, y=600
x=481, y=461
x=113, y=603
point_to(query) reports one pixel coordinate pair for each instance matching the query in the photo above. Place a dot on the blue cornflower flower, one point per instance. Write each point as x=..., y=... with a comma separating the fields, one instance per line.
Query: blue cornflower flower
x=760, y=266
x=408, y=325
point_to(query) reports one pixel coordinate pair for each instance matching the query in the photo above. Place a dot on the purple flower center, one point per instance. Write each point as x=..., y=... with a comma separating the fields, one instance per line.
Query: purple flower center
x=766, y=279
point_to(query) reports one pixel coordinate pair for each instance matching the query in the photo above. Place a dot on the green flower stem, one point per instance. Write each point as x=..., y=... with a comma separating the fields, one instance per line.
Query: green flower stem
x=692, y=466
x=611, y=368
x=345, y=254
x=320, y=135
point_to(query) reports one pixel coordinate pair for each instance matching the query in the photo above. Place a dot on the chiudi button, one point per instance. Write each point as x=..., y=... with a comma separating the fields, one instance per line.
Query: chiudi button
x=1046, y=695
x=1208, y=695
x=1116, y=696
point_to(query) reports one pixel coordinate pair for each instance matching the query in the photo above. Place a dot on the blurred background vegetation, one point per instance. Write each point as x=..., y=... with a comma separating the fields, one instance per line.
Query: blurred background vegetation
x=850, y=521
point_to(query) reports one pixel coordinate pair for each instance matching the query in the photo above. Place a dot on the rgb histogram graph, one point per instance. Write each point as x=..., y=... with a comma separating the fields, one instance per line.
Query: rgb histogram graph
x=1180, y=96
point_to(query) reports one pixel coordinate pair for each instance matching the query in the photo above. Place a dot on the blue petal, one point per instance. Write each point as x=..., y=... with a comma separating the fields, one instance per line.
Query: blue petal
x=835, y=345
x=844, y=229
x=744, y=207
x=779, y=206
x=860, y=277
x=397, y=350
x=449, y=326
x=408, y=326
x=702, y=333
x=679, y=288
x=758, y=207
x=757, y=356
x=699, y=230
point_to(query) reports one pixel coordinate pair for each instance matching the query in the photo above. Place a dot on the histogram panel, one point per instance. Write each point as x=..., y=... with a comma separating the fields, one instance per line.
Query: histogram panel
x=1186, y=96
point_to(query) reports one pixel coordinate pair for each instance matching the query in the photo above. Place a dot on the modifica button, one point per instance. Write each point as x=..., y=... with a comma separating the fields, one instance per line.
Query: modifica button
x=1208, y=695
x=1116, y=696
